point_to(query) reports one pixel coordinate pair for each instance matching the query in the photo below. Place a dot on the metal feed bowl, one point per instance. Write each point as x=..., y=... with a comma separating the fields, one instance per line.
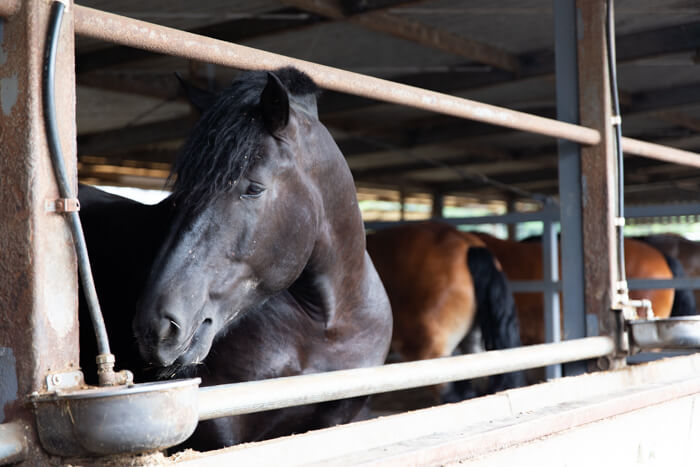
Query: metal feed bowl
x=117, y=420
x=681, y=332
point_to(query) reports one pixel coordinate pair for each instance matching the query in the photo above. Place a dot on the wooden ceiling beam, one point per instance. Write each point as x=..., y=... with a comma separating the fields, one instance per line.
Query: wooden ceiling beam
x=630, y=47
x=680, y=119
x=123, y=139
x=414, y=31
x=440, y=129
x=150, y=85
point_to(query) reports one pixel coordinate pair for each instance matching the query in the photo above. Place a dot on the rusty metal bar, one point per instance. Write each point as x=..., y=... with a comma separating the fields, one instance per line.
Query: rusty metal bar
x=660, y=152
x=143, y=35
x=569, y=177
x=38, y=299
x=597, y=170
x=255, y=396
x=9, y=8
x=139, y=34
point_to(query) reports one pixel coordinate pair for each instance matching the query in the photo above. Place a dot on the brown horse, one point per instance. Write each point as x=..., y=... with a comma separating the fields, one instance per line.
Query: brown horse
x=523, y=261
x=679, y=248
x=440, y=283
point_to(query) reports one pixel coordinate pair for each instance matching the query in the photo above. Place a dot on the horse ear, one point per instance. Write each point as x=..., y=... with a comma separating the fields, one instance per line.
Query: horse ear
x=274, y=103
x=201, y=99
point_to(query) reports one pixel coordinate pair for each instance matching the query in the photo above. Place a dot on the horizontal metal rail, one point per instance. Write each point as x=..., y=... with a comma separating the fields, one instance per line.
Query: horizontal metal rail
x=650, y=210
x=140, y=34
x=9, y=7
x=692, y=283
x=662, y=210
x=660, y=152
x=633, y=211
x=143, y=35
x=509, y=218
x=255, y=396
x=534, y=286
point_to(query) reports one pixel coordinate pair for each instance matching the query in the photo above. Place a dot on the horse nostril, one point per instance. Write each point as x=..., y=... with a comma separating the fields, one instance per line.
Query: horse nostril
x=169, y=328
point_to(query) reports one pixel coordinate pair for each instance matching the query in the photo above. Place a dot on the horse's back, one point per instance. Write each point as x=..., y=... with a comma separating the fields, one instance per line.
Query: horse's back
x=424, y=270
x=686, y=252
x=523, y=261
x=642, y=261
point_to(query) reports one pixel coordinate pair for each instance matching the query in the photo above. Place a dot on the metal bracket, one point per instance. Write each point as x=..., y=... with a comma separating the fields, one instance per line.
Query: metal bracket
x=62, y=205
x=68, y=380
x=616, y=120
x=619, y=222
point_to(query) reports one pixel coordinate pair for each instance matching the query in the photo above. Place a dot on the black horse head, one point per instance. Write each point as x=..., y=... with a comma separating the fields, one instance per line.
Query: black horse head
x=262, y=193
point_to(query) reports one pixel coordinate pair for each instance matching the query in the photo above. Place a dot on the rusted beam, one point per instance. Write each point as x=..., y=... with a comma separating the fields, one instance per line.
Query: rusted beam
x=38, y=291
x=125, y=31
x=597, y=167
x=9, y=8
x=235, y=30
x=414, y=31
x=659, y=152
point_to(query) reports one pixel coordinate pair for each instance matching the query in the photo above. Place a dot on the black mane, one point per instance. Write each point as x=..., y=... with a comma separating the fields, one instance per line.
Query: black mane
x=226, y=140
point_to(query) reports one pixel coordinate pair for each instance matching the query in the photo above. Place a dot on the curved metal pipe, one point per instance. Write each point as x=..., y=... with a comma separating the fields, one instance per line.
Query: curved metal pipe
x=64, y=186
x=105, y=359
x=617, y=132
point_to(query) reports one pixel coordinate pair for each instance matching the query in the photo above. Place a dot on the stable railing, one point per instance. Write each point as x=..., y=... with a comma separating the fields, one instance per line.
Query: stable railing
x=129, y=32
x=550, y=285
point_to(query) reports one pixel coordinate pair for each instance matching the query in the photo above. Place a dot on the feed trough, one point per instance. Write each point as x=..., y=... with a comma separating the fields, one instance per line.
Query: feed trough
x=117, y=420
x=667, y=333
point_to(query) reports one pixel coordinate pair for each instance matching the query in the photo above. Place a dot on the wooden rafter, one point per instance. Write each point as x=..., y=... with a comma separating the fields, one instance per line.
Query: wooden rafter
x=414, y=31
x=679, y=118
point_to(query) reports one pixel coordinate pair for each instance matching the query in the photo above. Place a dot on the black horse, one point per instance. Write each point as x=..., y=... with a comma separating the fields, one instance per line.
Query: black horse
x=255, y=267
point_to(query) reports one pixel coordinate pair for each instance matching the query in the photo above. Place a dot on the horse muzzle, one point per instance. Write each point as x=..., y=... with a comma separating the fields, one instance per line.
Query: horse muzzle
x=170, y=341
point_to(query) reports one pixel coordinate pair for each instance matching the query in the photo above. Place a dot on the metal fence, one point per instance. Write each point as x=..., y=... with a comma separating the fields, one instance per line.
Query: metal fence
x=121, y=30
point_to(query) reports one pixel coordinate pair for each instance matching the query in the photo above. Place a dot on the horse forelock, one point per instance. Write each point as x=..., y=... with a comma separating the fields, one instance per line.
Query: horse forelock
x=227, y=140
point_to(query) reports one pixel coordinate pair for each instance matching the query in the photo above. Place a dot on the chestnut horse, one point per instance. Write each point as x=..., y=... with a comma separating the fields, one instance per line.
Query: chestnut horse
x=686, y=252
x=440, y=284
x=523, y=261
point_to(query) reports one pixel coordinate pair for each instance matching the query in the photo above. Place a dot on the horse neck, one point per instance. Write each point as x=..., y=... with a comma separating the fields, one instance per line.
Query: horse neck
x=337, y=271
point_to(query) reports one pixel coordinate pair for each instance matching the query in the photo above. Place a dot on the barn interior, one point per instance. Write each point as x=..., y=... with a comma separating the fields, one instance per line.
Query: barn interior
x=132, y=116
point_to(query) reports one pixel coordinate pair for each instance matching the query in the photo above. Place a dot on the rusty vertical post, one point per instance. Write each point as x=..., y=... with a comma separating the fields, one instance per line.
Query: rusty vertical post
x=569, y=174
x=402, y=202
x=511, y=228
x=437, y=205
x=597, y=169
x=38, y=290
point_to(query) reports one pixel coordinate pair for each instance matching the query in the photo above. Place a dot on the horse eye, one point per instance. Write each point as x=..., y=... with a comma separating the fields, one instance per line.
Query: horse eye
x=254, y=190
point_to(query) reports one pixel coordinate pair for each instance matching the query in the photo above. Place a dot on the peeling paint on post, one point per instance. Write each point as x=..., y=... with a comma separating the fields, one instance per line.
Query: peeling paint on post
x=597, y=167
x=38, y=293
